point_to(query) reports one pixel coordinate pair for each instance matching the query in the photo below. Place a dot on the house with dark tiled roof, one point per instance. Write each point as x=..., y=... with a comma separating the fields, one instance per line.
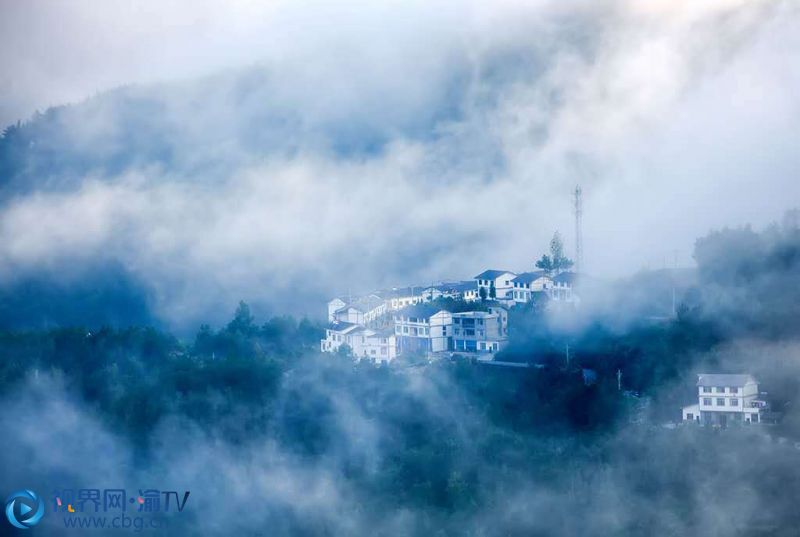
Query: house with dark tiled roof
x=423, y=328
x=563, y=287
x=495, y=283
x=725, y=399
x=528, y=283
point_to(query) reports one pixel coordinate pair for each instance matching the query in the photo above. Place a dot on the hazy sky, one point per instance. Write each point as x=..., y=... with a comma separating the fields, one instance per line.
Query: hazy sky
x=675, y=116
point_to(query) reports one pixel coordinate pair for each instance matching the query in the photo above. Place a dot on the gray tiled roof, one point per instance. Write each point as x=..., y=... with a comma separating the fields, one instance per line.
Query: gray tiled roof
x=491, y=274
x=528, y=277
x=723, y=380
x=419, y=311
x=340, y=326
x=566, y=277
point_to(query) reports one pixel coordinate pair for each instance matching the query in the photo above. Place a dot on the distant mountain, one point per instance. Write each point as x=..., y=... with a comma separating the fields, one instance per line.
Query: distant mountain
x=203, y=129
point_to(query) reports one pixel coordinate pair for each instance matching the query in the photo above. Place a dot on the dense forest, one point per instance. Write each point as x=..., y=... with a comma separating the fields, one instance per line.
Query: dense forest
x=324, y=445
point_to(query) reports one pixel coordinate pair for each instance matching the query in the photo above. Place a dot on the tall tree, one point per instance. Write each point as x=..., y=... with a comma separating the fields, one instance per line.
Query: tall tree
x=545, y=264
x=559, y=260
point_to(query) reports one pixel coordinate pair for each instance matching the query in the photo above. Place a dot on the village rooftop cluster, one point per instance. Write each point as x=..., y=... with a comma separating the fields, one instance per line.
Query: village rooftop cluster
x=385, y=324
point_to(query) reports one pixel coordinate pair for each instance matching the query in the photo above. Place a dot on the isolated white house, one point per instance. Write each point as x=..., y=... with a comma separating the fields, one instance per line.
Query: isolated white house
x=422, y=328
x=527, y=283
x=725, y=399
x=480, y=331
x=500, y=280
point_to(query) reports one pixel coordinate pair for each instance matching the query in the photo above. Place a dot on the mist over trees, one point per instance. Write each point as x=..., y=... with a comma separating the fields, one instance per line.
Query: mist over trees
x=452, y=447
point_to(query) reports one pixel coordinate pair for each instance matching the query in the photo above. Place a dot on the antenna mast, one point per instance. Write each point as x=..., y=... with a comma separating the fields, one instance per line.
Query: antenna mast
x=578, y=229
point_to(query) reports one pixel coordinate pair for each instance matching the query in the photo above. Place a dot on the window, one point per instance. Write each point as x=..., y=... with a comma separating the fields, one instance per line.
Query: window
x=734, y=402
x=707, y=401
x=383, y=350
x=720, y=389
x=405, y=330
x=706, y=389
x=720, y=401
x=734, y=389
x=689, y=416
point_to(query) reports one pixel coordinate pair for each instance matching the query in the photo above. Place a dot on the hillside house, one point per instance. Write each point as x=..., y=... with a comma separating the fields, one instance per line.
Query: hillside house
x=363, y=310
x=563, y=288
x=423, y=328
x=379, y=346
x=338, y=333
x=465, y=290
x=725, y=399
x=499, y=280
x=400, y=297
x=333, y=306
x=527, y=283
x=480, y=331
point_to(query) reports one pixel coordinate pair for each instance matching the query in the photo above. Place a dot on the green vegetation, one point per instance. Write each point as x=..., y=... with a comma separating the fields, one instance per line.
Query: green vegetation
x=453, y=439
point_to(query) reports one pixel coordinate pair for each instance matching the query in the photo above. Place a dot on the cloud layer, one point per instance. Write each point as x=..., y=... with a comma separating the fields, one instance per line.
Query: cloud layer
x=384, y=145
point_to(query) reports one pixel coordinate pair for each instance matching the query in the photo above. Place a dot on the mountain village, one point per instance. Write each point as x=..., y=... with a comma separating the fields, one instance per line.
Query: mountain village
x=385, y=324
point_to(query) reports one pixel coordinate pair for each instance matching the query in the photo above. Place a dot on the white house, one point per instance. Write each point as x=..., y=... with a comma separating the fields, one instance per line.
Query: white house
x=400, y=297
x=333, y=306
x=527, y=283
x=465, y=290
x=480, y=331
x=468, y=291
x=497, y=280
x=363, y=310
x=563, y=288
x=365, y=343
x=423, y=328
x=379, y=346
x=338, y=333
x=724, y=399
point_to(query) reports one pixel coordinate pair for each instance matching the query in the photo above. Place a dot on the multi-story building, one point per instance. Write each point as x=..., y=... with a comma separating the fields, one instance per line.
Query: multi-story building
x=364, y=343
x=400, y=297
x=423, y=328
x=724, y=399
x=480, y=331
x=563, y=287
x=465, y=290
x=497, y=283
x=528, y=283
x=338, y=333
x=377, y=345
x=335, y=305
x=363, y=310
